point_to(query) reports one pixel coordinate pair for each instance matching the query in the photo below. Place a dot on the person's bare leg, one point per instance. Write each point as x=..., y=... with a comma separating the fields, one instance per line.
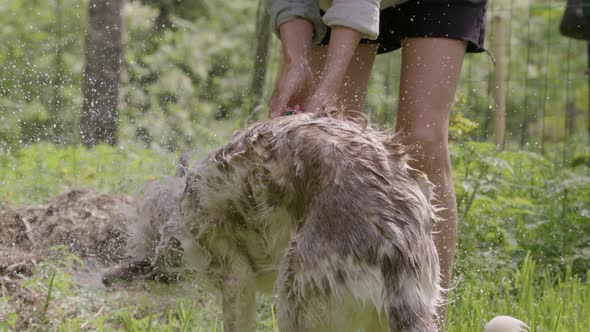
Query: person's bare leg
x=354, y=90
x=430, y=73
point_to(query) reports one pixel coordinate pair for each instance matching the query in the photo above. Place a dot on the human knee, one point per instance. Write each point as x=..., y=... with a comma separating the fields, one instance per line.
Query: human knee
x=428, y=137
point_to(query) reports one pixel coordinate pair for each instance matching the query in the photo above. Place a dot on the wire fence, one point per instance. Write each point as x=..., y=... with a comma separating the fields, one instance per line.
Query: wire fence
x=546, y=81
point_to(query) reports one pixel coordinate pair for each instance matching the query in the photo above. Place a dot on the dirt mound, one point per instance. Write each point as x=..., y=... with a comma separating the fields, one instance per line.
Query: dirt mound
x=12, y=229
x=92, y=225
x=15, y=265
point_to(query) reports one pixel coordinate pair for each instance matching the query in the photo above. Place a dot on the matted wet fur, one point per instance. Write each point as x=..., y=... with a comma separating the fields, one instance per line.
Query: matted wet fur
x=320, y=208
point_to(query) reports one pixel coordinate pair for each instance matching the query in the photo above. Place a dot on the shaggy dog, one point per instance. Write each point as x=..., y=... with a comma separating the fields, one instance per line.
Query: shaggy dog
x=321, y=208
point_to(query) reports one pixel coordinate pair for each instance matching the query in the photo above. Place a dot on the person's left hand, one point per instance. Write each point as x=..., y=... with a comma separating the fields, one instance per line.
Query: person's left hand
x=343, y=43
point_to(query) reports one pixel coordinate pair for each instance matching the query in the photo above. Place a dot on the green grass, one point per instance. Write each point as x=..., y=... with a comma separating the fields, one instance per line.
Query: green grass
x=523, y=245
x=40, y=171
x=544, y=303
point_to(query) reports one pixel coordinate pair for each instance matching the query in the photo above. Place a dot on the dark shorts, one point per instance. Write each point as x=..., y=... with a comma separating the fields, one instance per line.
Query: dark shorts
x=456, y=19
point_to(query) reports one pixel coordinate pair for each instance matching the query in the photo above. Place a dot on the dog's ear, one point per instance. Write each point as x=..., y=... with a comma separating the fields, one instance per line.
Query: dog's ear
x=424, y=184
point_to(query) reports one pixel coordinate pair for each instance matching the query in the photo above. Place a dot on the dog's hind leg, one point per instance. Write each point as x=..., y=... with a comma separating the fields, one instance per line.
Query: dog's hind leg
x=298, y=309
x=238, y=297
x=290, y=306
x=409, y=309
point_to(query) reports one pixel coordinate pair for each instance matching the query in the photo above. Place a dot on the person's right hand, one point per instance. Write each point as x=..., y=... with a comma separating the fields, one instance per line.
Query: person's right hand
x=292, y=89
x=295, y=81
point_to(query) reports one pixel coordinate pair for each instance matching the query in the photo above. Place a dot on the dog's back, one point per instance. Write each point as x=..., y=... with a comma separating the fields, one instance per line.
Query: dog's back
x=334, y=209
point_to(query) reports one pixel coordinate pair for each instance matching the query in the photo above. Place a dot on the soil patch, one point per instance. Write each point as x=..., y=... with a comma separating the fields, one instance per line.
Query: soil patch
x=91, y=224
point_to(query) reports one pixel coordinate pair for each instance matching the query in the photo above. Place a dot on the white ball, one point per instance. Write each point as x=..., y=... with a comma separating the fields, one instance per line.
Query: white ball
x=506, y=324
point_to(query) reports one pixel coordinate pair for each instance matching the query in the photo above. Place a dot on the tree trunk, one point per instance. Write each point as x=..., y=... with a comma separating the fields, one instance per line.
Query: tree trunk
x=56, y=125
x=262, y=45
x=104, y=55
x=499, y=77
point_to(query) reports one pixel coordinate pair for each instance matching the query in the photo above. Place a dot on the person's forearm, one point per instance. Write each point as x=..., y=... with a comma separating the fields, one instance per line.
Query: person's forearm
x=343, y=44
x=296, y=40
x=295, y=77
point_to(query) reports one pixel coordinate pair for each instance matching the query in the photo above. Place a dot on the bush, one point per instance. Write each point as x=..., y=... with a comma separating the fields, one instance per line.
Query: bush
x=511, y=203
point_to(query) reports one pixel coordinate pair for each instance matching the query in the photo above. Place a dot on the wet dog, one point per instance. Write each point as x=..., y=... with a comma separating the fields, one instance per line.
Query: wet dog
x=320, y=208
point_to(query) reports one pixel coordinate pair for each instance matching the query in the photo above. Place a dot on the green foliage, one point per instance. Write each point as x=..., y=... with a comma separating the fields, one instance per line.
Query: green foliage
x=189, y=81
x=460, y=126
x=33, y=77
x=180, y=87
x=545, y=72
x=510, y=203
x=188, y=10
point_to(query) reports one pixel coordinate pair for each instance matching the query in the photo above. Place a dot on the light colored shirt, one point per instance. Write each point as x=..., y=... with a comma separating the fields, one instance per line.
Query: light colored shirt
x=361, y=15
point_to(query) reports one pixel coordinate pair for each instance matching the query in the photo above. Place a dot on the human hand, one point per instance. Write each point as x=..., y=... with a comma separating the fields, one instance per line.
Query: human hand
x=292, y=89
x=343, y=43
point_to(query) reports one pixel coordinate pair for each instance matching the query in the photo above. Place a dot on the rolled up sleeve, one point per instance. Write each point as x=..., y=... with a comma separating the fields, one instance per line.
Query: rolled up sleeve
x=282, y=11
x=361, y=15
